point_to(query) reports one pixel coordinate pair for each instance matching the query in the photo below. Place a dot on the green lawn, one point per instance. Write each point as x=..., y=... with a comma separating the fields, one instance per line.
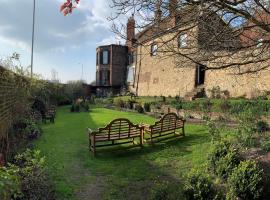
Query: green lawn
x=121, y=174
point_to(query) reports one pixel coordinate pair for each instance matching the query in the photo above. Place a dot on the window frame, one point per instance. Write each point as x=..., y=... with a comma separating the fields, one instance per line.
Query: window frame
x=131, y=67
x=183, y=40
x=154, y=52
x=108, y=57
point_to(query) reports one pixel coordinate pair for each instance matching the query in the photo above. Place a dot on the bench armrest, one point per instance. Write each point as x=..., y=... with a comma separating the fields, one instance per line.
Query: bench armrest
x=90, y=131
x=145, y=126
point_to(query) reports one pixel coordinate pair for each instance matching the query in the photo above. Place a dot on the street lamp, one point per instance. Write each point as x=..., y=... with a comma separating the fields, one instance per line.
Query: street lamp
x=33, y=36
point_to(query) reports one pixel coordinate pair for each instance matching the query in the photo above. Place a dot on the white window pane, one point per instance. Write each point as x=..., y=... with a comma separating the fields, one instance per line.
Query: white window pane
x=183, y=40
x=105, y=57
x=154, y=49
x=131, y=71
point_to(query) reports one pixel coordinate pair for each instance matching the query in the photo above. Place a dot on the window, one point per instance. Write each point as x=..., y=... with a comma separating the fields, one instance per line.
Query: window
x=259, y=42
x=131, y=74
x=105, y=57
x=182, y=41
x=154, y=49
x=97, y=59
x=105, y=77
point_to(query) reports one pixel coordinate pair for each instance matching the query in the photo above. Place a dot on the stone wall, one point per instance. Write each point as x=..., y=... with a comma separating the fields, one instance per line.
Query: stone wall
x=161, y=74
x=246, y=84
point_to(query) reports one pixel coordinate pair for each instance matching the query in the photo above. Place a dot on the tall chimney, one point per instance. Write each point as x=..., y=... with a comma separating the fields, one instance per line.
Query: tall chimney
x=130, y=31
x=173, y=5
x=158, y=12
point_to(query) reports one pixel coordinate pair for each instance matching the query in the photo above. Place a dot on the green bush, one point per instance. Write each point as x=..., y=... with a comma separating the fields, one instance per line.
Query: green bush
x=226, y=164
x=146, y=107
x=199, y=186
x=119, y=103
x=77, y=108
x=34, y=180
x=266, y=145
x=225, y=106
x=72, y=108
x=261, y=126
x=160, y=191
x=10, y=183
x=214, y=129
x=163, y=99
x=218, y=151
x=215, y=92
x=139, y=108
x=246, y=181
x=130, y=103
x=206, y=105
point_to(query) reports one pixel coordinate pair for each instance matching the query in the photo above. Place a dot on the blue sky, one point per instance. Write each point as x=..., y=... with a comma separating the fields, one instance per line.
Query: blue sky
x=61, y=43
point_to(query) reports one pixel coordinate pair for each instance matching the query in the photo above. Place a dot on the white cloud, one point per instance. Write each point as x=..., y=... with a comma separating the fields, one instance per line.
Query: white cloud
x=60, y=42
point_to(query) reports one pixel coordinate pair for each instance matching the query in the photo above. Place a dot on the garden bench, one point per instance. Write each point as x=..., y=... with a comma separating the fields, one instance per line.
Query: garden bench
x=168, y=124
x=50, y=114
x=115, y=131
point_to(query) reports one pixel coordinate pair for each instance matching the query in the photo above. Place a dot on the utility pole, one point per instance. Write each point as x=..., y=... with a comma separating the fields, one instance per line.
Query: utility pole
x=33, y=37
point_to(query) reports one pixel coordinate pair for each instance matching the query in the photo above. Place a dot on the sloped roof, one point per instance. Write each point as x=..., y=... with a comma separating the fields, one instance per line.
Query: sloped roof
x=182, y=18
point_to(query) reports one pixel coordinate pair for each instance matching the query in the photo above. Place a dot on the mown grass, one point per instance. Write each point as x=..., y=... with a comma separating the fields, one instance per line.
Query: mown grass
x=121, y=174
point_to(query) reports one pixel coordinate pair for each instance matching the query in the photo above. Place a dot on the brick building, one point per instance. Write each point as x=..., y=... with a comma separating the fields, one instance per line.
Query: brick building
x=111, y=68
x=150, y=71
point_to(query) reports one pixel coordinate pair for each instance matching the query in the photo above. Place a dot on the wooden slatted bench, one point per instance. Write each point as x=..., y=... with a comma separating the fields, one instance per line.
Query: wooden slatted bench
x=50, y=114
x=113, y=133
x=168, y=124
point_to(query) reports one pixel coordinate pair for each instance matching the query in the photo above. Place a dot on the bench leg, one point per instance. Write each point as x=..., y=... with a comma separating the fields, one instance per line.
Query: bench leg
x=141, y=140
x=94, y=149
x=133, y=141
x=183, y=131
x=90, y=145
x=151, y=139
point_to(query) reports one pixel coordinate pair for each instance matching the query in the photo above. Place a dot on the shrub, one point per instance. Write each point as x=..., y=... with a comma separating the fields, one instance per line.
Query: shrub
x=226, y=164
x=261, y=126
x=224, y=106
x=77, y=108
x=215, y=92
x=163, y=99
x=119, y=103
x=246, y=181
x=199, y=186
x=9, y=182
x=214, y=129
x=86, y=107
x=218, y=151
x=72, y=108
x=160, y=191
x=32, y=130
x=146, y=107
x=130, y=103
x=139, y=108
x=266, y=145
x=34, y=180
x=206, y=105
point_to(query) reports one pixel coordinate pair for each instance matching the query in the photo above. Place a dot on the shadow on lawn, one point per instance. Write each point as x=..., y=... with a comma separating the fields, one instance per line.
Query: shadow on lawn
x=131, y=168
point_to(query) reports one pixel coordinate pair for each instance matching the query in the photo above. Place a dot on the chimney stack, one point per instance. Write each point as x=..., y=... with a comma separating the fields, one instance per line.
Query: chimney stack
x=172, y=7
x=158, y=13
x=130, y=31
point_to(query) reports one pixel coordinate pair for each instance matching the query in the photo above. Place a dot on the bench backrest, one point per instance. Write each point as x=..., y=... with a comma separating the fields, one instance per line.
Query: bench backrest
x=168, y=122
x=119, y=127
